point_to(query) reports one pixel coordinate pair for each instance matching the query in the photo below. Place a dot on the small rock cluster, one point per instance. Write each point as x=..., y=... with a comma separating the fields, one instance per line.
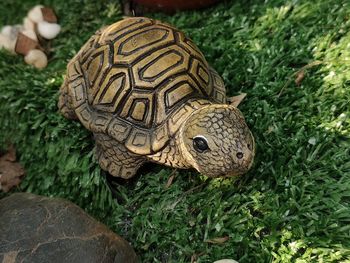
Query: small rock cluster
x=29, y=39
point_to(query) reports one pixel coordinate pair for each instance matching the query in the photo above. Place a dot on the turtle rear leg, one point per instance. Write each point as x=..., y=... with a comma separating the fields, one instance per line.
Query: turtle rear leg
x=115, y=158
x=64, y=101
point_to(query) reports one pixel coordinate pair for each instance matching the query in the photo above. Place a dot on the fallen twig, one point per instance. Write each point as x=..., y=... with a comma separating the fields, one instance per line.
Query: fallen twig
x=184, y=194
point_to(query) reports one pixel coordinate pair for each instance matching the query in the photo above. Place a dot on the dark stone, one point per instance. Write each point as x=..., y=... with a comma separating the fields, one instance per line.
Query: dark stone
x=40, y=229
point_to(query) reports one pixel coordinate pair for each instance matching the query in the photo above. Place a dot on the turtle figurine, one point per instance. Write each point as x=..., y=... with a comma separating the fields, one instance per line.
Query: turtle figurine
x=147, y=93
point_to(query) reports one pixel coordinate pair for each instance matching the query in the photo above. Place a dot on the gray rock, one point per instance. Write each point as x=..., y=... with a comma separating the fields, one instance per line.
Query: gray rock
x=39, y=229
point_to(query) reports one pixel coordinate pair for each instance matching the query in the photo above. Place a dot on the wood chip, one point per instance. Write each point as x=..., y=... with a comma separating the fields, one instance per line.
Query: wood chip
x=49, y=15
x=24, y=44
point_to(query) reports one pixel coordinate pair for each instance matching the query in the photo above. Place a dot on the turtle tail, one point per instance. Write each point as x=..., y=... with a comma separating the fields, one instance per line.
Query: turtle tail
x=64, y=102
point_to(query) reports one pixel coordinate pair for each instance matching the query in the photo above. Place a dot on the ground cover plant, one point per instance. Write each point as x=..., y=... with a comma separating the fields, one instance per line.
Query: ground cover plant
x=292, y=58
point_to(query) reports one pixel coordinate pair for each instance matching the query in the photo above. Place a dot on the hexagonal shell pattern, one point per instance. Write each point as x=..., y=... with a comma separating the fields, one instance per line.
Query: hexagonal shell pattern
x=133, y=80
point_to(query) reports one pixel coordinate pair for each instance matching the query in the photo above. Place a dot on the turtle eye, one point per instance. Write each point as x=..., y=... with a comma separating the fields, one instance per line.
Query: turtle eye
x=239, y=155
x=200, y=144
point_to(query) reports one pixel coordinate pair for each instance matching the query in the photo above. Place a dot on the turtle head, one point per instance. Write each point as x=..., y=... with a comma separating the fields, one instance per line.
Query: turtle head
x=216, y=141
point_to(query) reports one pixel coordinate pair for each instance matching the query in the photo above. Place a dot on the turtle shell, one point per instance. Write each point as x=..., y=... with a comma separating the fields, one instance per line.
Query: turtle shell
x=132, y=79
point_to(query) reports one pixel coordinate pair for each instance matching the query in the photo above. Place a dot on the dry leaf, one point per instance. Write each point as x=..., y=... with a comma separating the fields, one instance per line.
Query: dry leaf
x=269, y=129
x=170, y=179
x=299, y=78
x=194, y=257
x=236, y=100
x=10, y=155
x=11, y=172
x=217, y=240
x=303, y=69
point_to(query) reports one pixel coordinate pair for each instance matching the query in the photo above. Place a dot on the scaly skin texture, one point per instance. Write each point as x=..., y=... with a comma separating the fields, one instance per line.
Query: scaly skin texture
x=224, y=128
x=231, y=144
x=171, y=155
x=115, y=158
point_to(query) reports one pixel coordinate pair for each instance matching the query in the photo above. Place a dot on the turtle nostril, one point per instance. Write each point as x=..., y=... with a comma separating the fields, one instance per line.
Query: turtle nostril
x=239, y=155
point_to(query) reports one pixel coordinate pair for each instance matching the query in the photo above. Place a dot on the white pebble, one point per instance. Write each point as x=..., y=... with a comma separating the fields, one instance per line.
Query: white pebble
x=28, y=24
x=37, y=58
x=7, y=43
x=35, y=14
x=48, y=30
x=30, y=33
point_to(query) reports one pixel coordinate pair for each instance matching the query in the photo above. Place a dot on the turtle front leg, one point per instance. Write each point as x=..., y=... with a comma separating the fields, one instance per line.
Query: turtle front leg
x=115, y=158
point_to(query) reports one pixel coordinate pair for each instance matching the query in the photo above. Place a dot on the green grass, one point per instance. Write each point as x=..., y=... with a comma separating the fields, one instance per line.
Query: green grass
x=293, y=206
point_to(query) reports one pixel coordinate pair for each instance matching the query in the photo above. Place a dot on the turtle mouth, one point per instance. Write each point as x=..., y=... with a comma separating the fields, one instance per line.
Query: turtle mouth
x=233, y=173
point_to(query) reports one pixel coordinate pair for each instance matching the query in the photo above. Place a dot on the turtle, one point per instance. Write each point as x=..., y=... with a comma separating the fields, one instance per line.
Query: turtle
x=147, y=93
x=38, y=229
